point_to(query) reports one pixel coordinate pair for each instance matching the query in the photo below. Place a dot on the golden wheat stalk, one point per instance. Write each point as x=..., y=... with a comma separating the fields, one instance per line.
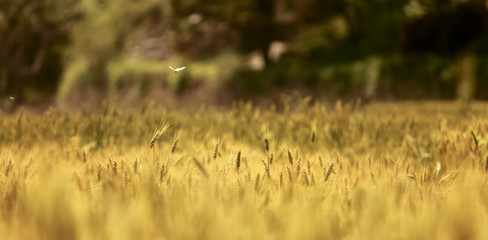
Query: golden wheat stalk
x=329, y=172
x=175, y=143
x=290, y=158
x=162, y=128
x=200, y=167
x=238, y=161
x=216, y=149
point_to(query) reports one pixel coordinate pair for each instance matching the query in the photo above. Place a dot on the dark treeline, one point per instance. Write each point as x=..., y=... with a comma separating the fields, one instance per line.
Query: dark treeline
x=374, y=49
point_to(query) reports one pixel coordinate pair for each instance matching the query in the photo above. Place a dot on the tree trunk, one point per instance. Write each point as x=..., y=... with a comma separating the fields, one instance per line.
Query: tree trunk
x=467, y=66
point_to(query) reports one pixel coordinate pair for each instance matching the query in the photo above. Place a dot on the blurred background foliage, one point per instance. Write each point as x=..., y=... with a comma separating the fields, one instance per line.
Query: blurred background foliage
x=68, y=52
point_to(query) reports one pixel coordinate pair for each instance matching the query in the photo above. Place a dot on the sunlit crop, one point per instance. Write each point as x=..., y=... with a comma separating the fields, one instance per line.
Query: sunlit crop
x=297, y=170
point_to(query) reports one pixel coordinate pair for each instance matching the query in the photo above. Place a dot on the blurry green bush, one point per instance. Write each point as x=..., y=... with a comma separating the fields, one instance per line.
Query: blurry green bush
x=120, y=49
x=33, y=35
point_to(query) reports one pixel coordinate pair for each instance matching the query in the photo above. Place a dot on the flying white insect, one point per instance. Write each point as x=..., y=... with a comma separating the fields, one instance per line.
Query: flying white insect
x=12, y=98
x=177, y=69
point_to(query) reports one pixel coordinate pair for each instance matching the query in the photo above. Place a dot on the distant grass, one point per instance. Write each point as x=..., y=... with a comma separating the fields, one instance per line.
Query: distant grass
x=382, y=171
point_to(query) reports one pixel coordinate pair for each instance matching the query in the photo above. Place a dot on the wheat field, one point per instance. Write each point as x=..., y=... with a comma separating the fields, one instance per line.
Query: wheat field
x=296, y=170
